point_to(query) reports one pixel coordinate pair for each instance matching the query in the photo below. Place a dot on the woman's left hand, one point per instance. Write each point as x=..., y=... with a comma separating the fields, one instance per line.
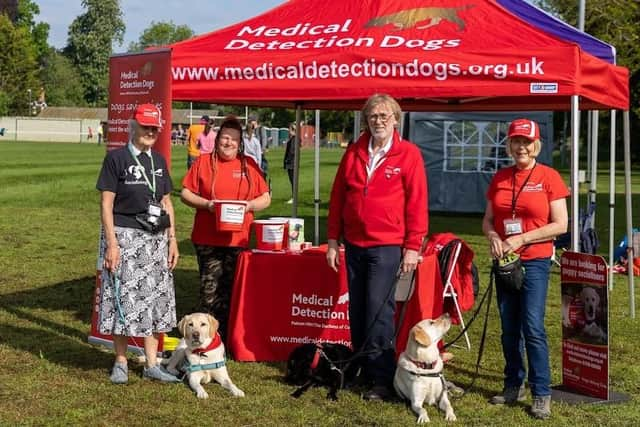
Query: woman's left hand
x=409, y=260
x=173, y=253
x=512, y=244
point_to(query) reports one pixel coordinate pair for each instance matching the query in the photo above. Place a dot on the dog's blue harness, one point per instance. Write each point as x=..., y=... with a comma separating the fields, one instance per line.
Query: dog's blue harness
x=189, y=367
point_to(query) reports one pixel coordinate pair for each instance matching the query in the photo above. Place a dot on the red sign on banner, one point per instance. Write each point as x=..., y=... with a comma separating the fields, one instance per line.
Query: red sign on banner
x=139, y=79
x=585, y=325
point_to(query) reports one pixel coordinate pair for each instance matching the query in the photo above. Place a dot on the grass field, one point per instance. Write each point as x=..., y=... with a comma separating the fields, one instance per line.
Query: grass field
x=50, y=375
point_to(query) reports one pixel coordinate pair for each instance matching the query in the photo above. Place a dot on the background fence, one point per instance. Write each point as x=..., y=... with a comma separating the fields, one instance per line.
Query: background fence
x=48, y=130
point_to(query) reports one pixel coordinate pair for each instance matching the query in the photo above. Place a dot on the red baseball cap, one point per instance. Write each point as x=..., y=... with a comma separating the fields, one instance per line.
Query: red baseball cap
x=524, y=127
x=148, y=115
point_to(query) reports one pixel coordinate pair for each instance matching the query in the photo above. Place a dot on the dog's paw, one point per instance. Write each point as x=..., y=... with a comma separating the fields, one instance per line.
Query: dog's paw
x=202, y=394
x=450, y=416
x=237, y=392
x=423, y=418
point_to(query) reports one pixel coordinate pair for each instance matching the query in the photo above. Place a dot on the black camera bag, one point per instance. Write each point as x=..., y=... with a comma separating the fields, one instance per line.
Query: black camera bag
x=509, y=273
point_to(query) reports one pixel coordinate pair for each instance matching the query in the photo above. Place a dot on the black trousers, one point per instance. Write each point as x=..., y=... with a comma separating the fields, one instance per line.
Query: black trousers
x=371, y=273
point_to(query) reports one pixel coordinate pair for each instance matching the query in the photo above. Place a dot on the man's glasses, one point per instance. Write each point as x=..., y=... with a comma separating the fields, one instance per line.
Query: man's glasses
x=384, y=118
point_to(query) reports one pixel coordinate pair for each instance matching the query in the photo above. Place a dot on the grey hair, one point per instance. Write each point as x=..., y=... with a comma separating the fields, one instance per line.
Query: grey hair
x=132, y=129
x=381, y=98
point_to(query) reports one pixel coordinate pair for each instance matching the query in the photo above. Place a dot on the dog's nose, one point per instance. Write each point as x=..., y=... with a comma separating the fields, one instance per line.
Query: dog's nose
x=196, y=335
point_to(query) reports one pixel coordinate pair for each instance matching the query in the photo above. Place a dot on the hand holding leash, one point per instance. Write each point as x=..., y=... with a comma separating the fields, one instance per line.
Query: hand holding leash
x=410, y=260
x=112, y=257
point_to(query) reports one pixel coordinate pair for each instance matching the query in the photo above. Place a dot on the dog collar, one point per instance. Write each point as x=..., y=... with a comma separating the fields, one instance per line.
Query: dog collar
x=215, y=342
x=423, y=365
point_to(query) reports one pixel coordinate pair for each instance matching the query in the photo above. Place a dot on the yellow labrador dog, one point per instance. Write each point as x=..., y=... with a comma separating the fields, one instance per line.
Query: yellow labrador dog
x=201, y=355
x=418, y=377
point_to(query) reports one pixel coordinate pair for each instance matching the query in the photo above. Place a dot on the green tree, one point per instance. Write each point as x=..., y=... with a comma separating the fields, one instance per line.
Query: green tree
x=60, y=79
x=90, y=44
x=39, y=31
x=18, y=68
x=161, y=34
x=614, y=22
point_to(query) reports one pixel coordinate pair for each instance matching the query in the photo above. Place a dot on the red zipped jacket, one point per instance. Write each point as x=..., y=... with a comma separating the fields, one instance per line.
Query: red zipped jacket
x=388, y=209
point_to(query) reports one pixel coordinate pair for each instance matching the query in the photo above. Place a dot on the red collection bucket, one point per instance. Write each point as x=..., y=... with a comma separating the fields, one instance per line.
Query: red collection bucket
x=230, y=214
x=271, y=235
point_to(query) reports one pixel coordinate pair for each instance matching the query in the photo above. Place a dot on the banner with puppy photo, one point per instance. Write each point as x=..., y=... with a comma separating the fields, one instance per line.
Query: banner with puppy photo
x=585, y=324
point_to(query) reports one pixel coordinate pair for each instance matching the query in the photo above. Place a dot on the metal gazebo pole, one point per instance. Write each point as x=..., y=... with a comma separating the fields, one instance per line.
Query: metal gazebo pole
x=316, y=181
x=627, y=191
x=612, y=193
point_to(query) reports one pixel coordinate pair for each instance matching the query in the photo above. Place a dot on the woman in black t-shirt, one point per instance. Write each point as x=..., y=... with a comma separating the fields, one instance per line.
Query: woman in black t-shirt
x=139, y=246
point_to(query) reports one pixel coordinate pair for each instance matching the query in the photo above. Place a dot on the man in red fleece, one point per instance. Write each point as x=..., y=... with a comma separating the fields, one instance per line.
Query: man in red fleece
x=379, y=207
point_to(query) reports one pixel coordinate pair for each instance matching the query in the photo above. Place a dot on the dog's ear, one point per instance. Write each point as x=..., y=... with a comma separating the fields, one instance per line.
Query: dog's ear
x=182, y=325
x=213, y=325
x=420, y=336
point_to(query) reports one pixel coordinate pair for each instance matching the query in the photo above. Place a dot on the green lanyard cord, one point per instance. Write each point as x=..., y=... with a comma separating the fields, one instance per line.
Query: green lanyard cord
x=151, y=186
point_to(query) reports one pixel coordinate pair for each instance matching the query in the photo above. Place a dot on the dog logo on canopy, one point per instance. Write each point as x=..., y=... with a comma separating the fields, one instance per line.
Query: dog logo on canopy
x=428, y=16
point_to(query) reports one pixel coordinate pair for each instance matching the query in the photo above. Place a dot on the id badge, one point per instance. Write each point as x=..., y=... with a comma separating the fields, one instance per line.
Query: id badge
x=154, y=209
x=512, y=226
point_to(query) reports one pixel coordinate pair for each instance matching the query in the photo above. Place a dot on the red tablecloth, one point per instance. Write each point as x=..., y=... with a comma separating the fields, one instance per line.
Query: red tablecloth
x=283, y=300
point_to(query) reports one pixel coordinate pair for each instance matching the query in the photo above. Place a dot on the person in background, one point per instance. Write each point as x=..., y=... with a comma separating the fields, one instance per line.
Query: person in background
x=526, y=209
x=100, y=133
x=206, y=140
x=180, y=136
x=252, y=147
x=225, y=174
x=193, y=133
x=378, y=205
x=140, y=248
x=289, y=153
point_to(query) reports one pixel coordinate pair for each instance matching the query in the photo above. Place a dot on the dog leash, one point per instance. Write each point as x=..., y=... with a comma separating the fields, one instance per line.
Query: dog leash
x=475, y=314
x=376, y=349
x=114, y=276
x=487, y=294
x=115, y=279
x=403, y=310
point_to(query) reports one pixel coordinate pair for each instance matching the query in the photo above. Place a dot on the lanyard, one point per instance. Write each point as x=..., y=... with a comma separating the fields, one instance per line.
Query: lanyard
x=151, y=186
x=514, y=196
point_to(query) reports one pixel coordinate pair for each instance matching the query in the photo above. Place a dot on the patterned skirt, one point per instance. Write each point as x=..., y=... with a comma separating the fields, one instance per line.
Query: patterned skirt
x=139, y=298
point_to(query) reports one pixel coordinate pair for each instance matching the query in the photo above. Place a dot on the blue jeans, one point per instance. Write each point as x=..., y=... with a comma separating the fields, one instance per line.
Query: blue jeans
x=522, y=317
x=371, y=273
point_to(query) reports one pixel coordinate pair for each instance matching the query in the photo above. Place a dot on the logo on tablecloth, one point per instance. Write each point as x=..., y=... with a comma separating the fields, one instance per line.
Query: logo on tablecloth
x=316, y=310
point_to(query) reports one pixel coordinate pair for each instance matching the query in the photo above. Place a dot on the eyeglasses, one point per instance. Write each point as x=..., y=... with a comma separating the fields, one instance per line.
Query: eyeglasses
x=384, y=118
x=520, y=141
x=149, y=128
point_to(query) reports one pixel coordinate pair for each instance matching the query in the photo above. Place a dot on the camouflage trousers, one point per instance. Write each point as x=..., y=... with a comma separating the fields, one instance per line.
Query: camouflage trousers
x=217, y=269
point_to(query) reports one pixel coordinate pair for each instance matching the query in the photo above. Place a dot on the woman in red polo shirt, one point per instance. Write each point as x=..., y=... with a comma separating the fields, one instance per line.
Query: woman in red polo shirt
x=526, y=209
x=224, y=174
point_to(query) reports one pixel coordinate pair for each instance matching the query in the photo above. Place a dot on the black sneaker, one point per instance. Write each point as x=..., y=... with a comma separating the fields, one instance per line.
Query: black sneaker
x=379, y=392
x=509, y=396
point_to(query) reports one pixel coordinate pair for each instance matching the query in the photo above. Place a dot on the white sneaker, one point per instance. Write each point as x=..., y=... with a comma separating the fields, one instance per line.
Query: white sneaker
x=290, y=202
